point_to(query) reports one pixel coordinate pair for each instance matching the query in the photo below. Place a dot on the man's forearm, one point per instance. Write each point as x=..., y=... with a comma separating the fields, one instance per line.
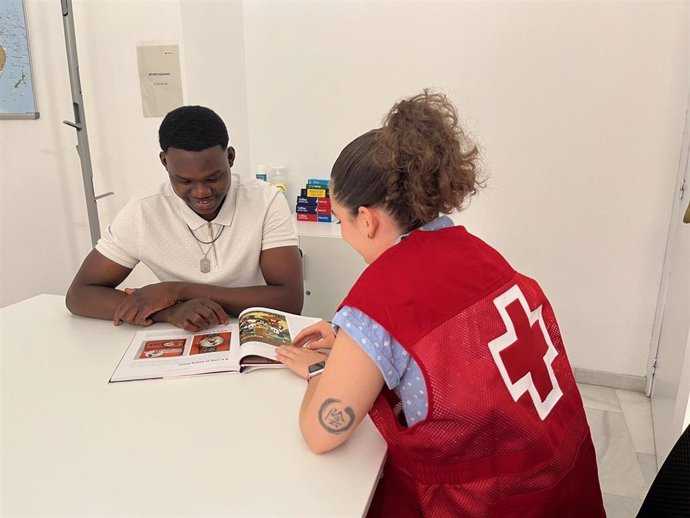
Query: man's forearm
x=236, y=300
x=94, y=301
x=102, y=302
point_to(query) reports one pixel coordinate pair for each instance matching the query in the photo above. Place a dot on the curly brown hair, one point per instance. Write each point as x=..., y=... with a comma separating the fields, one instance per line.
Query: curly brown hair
x=419, y=164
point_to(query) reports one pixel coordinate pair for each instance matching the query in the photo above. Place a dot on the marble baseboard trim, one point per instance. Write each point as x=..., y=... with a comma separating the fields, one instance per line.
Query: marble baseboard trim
x=610, y=379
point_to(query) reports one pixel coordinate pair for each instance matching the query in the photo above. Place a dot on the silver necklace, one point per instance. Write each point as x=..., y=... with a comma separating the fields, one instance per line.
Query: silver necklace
x=205, y=262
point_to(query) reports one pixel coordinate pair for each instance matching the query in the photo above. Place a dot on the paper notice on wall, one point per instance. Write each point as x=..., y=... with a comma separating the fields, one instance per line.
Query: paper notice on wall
x=159, y=78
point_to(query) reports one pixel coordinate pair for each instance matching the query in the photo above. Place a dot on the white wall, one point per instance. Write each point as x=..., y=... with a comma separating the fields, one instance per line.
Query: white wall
x=683, y=401
x=124, y=144
x=42, y=209
x=577, y=107
x=43, y=224
x=213, y=33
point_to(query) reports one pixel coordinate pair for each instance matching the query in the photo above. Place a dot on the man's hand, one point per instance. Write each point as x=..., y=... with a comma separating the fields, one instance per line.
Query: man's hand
x=197, y=314
x=141, y=303
x=316, y=336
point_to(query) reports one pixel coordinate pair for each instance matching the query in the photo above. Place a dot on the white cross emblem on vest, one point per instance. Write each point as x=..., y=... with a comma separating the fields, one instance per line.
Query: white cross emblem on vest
x=525, y=352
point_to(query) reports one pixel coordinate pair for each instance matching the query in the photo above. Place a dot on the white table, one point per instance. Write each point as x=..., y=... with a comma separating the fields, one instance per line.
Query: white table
x=220, y=445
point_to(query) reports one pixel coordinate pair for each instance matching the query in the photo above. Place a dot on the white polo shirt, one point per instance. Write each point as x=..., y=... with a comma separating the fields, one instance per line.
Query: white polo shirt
x=153, y=229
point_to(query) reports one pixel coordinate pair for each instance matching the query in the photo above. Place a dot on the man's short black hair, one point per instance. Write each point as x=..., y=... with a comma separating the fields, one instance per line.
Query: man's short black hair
x=192, y=128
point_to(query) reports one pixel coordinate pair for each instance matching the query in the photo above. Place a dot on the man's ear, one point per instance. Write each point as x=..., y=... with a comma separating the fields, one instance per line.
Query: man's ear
x=164, y=159
x=231, y=155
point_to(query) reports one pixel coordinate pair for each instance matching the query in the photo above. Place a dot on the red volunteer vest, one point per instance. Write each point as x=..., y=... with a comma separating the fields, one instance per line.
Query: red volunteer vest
x=506, y=433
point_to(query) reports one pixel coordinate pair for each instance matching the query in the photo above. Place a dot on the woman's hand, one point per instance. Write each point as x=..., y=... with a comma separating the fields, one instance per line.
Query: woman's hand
x=316, y=336
x=298, y=359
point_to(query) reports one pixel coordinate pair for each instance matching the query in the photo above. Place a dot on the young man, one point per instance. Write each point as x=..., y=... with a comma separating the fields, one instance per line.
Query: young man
x=216, y=244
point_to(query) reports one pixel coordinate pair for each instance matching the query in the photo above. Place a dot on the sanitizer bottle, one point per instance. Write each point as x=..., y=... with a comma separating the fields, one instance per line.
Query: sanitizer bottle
x=278, y=177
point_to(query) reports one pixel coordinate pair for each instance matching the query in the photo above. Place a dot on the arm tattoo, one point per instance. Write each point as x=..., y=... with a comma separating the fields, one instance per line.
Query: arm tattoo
x=334, y=418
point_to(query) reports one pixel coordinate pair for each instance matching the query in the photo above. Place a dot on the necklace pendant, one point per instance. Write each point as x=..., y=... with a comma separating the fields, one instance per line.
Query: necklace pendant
x=205, y=265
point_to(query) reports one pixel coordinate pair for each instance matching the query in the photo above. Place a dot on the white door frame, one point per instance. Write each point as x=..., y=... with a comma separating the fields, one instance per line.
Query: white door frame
x=682, y=186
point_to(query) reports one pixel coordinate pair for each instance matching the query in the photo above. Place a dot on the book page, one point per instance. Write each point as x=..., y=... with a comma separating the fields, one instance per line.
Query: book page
x=262, y=330
x=168, y=353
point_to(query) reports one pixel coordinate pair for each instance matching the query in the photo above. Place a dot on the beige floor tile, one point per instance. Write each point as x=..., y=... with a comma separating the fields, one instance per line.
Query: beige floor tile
x=621, y=506
x=637, y=410
x=648, y=467
x=601, y=398
x=619, y=469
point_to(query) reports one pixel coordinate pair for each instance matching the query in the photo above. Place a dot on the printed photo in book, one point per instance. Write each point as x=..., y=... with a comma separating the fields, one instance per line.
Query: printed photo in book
x=261, y=331
x=250, y=344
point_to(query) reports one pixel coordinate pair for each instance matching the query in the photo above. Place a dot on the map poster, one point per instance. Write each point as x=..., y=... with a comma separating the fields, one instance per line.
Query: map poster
x=17, y=99
x=159, y=78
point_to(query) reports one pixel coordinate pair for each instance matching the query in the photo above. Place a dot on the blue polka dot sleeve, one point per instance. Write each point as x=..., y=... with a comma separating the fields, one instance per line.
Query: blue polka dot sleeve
x=400, y=372
x=376, y=342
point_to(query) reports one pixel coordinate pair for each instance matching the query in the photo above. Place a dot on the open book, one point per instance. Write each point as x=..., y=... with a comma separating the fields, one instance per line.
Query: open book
x=233, y=348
